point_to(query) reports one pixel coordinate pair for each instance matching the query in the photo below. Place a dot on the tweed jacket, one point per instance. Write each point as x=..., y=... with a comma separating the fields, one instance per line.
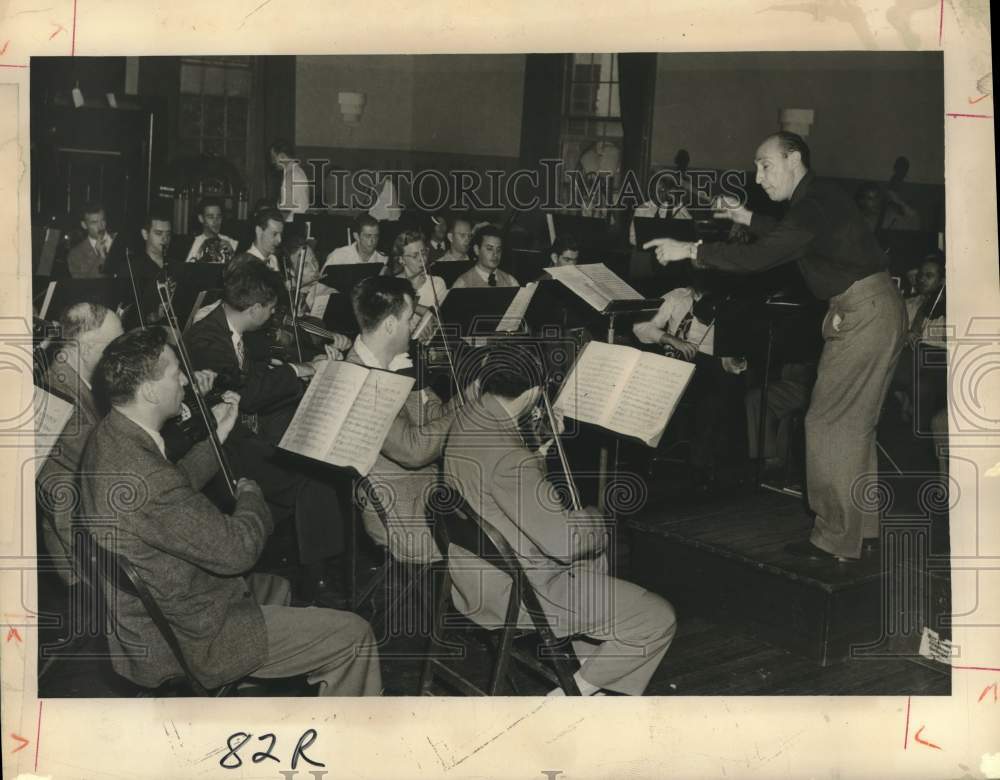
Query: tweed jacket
x=188, y=553
x=405, y=470
x=84, y=262
x=57, y=476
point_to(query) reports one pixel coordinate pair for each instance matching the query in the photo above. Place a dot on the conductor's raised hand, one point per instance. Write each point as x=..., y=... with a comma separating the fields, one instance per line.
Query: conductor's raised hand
x=668, y=250
x=729, y=207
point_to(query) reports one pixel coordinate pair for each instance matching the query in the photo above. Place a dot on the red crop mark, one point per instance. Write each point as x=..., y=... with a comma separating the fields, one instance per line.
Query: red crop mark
x=38, y=734
x=906, y=734
x=72, y=49
x=61, y=29
x=24, y=742
x=971, y=116
x=5, y=45
x=12, y=633
x=986, y=690
x=924, y=741
x=941, y=23
x=978, y=668
x=971, y=101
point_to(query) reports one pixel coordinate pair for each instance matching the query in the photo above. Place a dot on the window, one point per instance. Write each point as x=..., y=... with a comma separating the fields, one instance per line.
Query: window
x=591, y=139
x=215, y=107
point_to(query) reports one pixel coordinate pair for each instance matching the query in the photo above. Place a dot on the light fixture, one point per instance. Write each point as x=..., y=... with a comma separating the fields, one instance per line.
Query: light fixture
x=77, y=96
x=352, y=106
x=796, y=120
x=112, y=100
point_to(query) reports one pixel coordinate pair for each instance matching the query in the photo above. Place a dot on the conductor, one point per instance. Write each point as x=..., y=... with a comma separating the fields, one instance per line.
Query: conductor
x=863, y=331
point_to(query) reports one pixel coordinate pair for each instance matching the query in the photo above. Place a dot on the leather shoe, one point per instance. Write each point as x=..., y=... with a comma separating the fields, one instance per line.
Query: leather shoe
x=323, y=593
x=807, y=549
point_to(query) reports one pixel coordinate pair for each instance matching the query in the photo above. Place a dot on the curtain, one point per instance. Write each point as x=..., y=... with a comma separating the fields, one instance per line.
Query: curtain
x=637, y=82
x=272, y=116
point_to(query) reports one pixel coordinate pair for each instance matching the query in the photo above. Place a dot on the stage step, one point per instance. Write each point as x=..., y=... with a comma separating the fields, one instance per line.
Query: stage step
x=723, y=558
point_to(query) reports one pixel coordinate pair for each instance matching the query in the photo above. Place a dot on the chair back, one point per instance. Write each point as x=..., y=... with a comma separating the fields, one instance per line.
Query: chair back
x=455, y=522
x=118, y=573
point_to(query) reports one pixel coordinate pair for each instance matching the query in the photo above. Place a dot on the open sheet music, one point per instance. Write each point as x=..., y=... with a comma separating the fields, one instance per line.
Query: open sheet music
x=597, y=284
x=513, y=318
x=345, y=415
x=51, y=415
x=625, y=390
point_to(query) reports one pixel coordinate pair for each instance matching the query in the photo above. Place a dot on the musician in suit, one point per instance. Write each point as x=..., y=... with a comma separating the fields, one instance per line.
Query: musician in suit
x=365, y=246
x=141, y=270
x=269, y=395
x=268, y=229
x=407, y=463
x=460, y=233
x=863, y=331
x=89, y=259
x=562, y=551
x=86, y=329
x=210, y=217
x=437, y=239
x=488, y=250
x=194, y=558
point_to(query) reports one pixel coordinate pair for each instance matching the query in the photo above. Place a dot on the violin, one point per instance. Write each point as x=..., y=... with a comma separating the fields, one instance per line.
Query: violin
x=201, y=404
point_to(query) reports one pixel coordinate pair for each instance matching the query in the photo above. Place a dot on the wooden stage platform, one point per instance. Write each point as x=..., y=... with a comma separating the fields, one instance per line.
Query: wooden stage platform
x=723, y=558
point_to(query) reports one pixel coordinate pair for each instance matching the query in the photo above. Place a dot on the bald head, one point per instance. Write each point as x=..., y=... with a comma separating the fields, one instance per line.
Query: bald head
x=88, y=328
x=781, y=162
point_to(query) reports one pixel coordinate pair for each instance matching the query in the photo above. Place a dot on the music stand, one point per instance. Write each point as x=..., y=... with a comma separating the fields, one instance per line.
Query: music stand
x=69, y=291
x=476, y=311
x=342, y=278
x=649, y=228
x=451, y=270
x=526, y=265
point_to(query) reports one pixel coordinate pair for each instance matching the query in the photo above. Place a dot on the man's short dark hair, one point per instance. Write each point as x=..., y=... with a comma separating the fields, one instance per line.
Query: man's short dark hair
x=157, y=215
x=79, y=318
x=127, y=362
x=205, y=203
x=793, y=142
x=92, y=207
x=363, y=221
x=564, y=242
x=456, y=218
x=249, y=281
x=487, y=231
x=510, y=368
x=267, y=214
x=376, y=297
x=281, y=146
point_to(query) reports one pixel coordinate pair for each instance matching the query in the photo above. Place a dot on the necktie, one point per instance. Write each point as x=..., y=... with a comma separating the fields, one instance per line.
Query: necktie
x=241, y=354
x=684, y=328
x=492, y=281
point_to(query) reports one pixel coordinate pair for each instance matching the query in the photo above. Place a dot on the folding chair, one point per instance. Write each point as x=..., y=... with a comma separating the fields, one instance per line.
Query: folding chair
x=456, y=523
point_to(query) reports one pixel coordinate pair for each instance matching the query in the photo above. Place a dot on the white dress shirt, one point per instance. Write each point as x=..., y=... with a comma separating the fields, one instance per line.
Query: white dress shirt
x=200, y=240
x=348, y=255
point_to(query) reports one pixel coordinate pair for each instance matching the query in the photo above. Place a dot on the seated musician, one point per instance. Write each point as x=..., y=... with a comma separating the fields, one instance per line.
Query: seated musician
x=142, y=269
x=684, y=326
x=488, y=250
x=562, y=551
x=210, y=217
x=408, y=259
x=194, y=558
x=407, y=463
x=919, y=384
x=460, y=234
x=89, y=258
x=437, y=239
x=85, y=329
x=564, y=250
x=268, y=397
x=268, y=228
x=365, y=246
